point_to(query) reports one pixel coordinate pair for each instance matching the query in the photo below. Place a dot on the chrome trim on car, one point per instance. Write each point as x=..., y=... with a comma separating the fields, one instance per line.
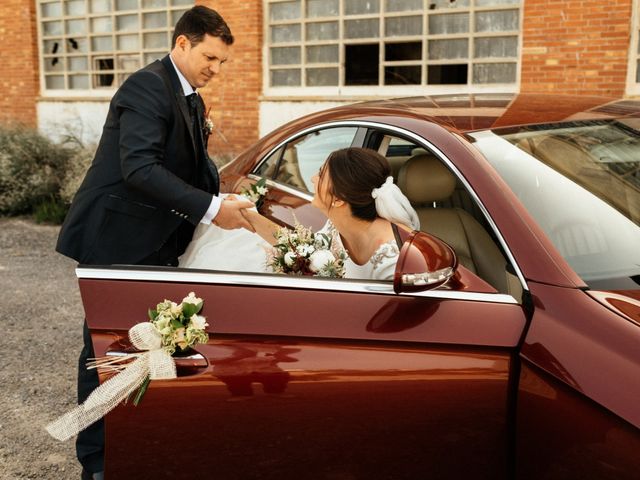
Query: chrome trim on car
x=420, y=140
x=281, y=281
x=283, y=187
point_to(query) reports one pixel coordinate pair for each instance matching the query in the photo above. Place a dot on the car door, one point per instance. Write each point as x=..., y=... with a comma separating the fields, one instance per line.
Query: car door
x=314, y=378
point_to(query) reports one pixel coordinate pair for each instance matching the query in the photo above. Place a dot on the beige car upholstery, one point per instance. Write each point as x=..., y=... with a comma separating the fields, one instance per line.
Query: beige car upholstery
x=424, y=179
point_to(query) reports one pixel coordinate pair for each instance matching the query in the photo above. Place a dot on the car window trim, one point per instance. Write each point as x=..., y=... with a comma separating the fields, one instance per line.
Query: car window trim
x=183, y=275
x=419, y=140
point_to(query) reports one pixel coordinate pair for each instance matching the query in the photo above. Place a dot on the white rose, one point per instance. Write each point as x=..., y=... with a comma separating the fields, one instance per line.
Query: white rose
x=191, y=298
x=198, y=322
x=319, y=259
x=261, y=190
x=305, y=250
x=289, y=258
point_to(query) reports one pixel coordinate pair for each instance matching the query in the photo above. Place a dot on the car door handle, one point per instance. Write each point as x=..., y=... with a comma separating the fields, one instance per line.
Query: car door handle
x=184, y=364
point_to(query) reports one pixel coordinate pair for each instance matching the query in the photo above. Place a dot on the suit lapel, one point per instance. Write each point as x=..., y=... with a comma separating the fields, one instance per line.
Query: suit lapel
x=181, y=100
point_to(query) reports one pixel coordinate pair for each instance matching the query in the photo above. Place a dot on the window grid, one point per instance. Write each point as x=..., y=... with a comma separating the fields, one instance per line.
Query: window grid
x=85, y=50
x=471, y=61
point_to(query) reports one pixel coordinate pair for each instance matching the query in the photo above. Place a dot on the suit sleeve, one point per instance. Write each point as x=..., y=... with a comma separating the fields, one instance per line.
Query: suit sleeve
x=145, y=107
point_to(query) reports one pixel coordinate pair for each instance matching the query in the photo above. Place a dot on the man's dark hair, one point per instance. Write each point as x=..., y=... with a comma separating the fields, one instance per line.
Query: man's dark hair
x=200, y=21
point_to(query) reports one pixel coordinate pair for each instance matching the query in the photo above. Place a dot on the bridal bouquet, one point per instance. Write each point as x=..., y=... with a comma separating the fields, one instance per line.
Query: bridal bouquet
x=302, y=252
x=256, y=192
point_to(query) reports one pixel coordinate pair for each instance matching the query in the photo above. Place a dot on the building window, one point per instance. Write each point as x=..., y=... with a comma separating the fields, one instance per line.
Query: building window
x=96, y=44
x=633, y=70
x=392, y=42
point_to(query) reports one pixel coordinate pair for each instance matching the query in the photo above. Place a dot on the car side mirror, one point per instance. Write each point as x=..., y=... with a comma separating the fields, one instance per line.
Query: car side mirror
x=425, y=262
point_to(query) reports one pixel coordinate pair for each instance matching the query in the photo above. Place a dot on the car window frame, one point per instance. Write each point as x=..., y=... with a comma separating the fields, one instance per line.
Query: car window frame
x=367, y=126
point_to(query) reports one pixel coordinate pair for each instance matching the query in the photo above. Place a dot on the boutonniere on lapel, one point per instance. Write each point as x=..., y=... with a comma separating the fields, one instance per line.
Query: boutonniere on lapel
x=208, y=123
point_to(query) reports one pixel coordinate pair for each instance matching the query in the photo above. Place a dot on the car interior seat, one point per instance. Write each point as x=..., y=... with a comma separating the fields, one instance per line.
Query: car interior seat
x=425, y=180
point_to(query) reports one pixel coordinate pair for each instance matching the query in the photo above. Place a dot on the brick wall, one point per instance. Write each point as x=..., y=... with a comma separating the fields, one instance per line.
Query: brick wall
x=575, y=46
x=233, y=96
x=19, y=82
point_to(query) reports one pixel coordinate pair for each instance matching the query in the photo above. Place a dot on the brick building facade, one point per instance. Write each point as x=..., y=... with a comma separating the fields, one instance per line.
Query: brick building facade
x=573, y=46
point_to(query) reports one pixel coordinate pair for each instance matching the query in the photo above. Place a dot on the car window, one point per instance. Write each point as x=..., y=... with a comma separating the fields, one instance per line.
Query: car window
x=581, y=182
x=268, y=167
x=303, y=157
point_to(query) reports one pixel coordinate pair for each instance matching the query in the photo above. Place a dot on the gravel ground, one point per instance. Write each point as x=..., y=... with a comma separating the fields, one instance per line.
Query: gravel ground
x=41, y=312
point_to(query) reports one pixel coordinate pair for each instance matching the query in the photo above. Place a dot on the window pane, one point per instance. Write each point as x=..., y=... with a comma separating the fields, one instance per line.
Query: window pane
x=182, y=2
x=303, y=157
x=323, y=54
x=285, y=78
x=126, y=4
x=448, y=4
x=75, y=7
x=399, y=26
x=442, y=49
x=79, y=82
x=285, y=33
x=356, y=7
x=175, y=16
x=369, y=28
x=52, y=46
x=403, y=51
x=361, y=64
x=638, y=71
x=52, y=28
x=322, y=8
x=101, y=44
x=100, y=6
x=486, y=3
x=101, y=25
x=322, y=31
x=447, y=74
x=151, y=57
x=51, y=10
x=155, y=40
x=128, y=42
x=497, y=21
x=154, y=20
x=154, y=3
x=496, y=47
x=81, y=45
x=53, y=64
x=285, y=56
x=448, y=23
x=54, y=82
x=127, y=22
x=320, y=77
x=494, y=73
x=128, y=63
x=284, y=10
x=402, y=5
x=76, y=27
x=402, y=75
x=78, y=64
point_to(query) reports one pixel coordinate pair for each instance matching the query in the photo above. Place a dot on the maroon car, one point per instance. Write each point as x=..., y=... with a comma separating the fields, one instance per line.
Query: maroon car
x=524, y=364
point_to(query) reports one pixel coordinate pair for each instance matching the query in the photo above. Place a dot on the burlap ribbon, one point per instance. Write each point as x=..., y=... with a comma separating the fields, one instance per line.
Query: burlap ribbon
x=154, y=362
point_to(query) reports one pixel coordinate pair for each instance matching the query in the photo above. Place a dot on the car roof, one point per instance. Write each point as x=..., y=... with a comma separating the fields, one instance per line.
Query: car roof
x=468, y=112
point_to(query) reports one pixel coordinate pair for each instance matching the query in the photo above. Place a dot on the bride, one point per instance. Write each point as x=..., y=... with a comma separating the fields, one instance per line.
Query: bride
x=355, y=191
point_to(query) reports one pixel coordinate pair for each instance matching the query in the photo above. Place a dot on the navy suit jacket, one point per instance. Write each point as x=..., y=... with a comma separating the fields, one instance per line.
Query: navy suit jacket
x=147, y=179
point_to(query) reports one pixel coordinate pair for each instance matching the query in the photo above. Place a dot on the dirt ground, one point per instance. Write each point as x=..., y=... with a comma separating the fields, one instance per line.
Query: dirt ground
x=41, y=317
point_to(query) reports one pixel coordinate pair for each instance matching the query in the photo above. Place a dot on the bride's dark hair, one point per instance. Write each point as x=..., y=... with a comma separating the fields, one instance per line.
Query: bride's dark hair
x=354, y=172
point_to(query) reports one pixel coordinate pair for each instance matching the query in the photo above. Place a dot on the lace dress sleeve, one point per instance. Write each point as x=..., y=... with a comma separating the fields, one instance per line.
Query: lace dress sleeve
x=384, y=262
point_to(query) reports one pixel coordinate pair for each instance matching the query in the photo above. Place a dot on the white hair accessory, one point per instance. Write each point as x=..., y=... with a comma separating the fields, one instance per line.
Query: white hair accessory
x=393, y=205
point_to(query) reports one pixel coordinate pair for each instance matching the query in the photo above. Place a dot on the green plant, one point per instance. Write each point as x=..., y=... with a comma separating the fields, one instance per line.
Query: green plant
x=50, y=210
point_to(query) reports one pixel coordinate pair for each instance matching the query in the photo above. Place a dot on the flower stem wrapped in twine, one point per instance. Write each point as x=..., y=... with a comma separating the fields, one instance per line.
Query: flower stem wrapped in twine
x=154, y=363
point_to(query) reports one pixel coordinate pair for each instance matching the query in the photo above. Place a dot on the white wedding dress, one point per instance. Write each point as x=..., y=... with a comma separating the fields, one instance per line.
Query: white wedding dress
x=213, y=248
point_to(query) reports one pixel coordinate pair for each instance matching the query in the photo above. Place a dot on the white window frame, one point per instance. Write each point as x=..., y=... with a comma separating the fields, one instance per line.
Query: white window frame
x=345, y=92
x=633, y=87
x=143, y=54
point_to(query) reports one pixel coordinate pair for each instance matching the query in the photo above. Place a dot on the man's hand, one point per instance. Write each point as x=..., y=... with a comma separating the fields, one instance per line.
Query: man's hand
x=230, y=215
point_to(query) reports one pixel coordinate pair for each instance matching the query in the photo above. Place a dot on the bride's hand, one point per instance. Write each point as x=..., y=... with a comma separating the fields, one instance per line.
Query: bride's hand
x=251, y=216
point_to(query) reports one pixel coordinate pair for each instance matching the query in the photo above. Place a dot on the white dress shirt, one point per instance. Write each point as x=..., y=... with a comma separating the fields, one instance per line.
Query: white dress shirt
x=214, y=208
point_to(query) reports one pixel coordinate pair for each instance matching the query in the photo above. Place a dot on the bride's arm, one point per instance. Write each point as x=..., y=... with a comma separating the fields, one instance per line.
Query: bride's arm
x=262, y=225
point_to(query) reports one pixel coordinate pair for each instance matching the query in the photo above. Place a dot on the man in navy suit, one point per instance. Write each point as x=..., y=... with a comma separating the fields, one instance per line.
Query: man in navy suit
x=151, y=181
